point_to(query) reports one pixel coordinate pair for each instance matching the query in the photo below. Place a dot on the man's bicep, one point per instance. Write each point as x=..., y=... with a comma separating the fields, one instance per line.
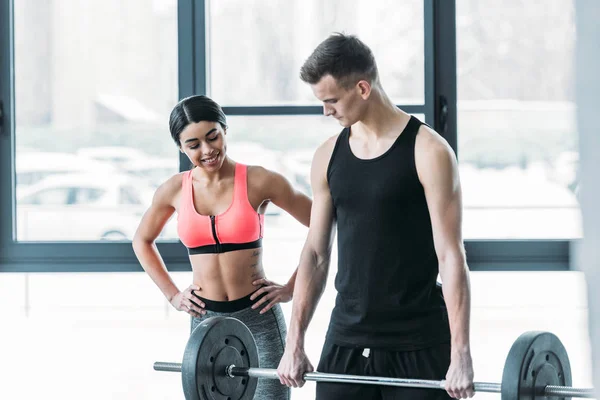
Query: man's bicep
x=446, y=218
x=438, y=173
x=320, y=233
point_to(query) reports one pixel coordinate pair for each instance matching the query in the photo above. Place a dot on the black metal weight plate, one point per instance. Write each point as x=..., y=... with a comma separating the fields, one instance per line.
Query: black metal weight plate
x=535, y=360
x=215, y=344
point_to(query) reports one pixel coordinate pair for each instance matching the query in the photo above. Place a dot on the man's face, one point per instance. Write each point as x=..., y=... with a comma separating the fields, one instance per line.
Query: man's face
x=343, y=104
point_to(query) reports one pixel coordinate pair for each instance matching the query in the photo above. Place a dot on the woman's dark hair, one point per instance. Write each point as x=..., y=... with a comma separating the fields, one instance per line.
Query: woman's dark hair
x=194, y=109
x=344, y=57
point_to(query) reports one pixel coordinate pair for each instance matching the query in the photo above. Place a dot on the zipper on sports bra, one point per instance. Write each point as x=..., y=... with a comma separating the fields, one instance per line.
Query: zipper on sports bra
x=214, y=232
x=260, y=227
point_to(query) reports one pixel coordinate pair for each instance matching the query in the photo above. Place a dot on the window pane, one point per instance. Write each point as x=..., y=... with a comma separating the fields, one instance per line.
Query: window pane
x=278, y=36
x=95, y=83
x=517, y=141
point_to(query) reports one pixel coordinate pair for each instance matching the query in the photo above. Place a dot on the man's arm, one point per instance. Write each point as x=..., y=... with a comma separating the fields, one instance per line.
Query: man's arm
x=312, y=270
x=315, y=256
x=438, y=172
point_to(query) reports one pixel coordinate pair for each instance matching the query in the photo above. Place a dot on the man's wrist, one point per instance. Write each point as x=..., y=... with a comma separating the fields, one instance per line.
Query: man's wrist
x=460, y=350
x=295, y=340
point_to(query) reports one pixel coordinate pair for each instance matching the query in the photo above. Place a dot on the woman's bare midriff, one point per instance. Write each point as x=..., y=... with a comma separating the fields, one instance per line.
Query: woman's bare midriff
x=227, y=276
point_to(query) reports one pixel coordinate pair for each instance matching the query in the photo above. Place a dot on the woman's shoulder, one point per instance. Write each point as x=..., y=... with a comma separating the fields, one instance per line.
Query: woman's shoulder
x=258, y=173
x=175, y=181
x=266, y=180
x=168, y=191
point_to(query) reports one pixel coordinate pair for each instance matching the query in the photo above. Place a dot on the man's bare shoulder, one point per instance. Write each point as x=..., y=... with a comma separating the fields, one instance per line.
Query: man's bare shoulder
x=325, y=150
x=434, y=158
x=430, y=142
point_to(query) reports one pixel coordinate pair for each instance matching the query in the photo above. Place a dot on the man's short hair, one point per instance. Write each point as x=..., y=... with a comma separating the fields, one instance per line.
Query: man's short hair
x=345, y=57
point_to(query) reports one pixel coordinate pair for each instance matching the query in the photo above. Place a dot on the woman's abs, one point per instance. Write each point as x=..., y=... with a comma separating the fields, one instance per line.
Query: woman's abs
x=227, y=276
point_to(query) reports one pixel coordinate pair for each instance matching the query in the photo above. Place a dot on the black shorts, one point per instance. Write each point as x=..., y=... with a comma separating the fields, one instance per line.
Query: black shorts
x=431, y=363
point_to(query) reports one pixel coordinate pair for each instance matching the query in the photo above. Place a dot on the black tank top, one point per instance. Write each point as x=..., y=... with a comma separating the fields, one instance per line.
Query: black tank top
x=388, y=296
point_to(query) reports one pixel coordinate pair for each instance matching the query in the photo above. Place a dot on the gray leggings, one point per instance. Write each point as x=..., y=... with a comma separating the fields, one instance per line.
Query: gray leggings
x=269, y=331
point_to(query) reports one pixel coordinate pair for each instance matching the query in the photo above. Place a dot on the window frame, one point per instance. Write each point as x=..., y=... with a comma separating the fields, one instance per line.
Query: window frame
x=440, y=81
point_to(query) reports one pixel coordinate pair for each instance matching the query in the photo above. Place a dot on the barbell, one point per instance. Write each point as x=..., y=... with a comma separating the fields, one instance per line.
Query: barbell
x=221, y=359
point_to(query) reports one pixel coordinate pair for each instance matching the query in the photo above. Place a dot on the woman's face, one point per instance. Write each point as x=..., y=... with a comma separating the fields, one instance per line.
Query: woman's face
x=204, y=144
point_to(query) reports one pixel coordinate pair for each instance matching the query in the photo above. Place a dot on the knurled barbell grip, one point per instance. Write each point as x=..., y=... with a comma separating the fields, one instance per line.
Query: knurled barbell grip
x=234, y=371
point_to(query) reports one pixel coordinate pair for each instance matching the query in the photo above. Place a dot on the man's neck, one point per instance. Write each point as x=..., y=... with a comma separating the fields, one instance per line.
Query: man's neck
x=381, y=116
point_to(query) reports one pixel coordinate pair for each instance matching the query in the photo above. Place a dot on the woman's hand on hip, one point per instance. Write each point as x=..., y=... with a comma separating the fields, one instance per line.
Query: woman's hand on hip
x=275, y=293
x=188, y=302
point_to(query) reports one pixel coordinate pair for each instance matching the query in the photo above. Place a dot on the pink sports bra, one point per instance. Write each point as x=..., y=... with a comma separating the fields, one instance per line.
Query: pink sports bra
x=239, y=227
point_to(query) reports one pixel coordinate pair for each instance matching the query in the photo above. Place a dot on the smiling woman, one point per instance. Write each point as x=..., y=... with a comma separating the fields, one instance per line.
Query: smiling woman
x=220, y=206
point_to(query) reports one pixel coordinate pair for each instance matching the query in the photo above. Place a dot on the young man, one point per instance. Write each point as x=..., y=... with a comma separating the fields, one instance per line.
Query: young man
x=391, y=185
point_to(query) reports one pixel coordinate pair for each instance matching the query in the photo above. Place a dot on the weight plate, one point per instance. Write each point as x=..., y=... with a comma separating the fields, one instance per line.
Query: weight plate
x=535, y=360
x=216, y=343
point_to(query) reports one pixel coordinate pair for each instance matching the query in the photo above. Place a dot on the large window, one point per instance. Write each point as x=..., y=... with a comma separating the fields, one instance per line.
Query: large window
x=517, y=140
x=94, y=85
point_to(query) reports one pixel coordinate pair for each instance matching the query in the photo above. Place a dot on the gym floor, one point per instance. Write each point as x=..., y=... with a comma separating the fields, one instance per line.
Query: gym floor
x=96, y=335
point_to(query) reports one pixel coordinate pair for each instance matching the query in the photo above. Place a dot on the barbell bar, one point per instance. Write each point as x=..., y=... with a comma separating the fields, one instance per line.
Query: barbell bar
x=221, y=354
x=232, y=371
